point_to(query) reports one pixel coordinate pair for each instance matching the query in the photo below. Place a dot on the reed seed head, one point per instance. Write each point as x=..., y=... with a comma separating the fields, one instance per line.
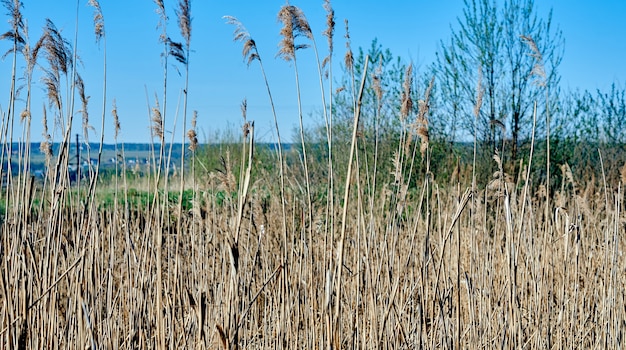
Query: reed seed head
x=567, y=174
x=34, y=52
x=224, y=175
x=24, y=115
x=193, y=140
x=377, y=82
x=244, y=114
x=98, y=19
x=407, y=100
x=330, y=25
x=46, y=144
x=538, y=71
x=58, y=50
x=184, y=19
x=249, y=52
x=16, y=22
x=80, y=85
x=160, y=8
x=422, y=119
x=52, y=84
x=348, y=59
x=191, y=134
x=329, y=33
x=157, y=121
x=58, y=53
x=244, y=109
x=116, y=119
x=177, y=51
x=29, y=56
x=295, y=24
x=162, y=20
x=424, y=105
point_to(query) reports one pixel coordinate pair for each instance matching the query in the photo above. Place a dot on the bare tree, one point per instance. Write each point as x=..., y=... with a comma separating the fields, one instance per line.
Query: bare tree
x=489, y=40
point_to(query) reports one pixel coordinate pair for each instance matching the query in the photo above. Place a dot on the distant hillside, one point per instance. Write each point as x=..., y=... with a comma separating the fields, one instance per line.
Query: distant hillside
x=134, y=153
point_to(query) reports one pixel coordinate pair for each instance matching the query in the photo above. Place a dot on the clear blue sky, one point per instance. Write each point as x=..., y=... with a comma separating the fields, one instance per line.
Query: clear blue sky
x=594, y=55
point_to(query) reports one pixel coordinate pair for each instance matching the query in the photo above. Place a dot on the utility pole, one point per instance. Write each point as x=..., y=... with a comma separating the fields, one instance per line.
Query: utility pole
x=77, y=159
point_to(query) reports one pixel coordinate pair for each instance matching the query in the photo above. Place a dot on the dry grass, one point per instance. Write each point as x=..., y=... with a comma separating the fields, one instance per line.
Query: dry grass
x=73, y=276
x=256, y=264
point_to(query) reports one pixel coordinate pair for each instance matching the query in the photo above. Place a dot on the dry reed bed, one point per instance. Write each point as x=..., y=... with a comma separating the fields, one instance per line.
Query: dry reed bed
x=93, y=281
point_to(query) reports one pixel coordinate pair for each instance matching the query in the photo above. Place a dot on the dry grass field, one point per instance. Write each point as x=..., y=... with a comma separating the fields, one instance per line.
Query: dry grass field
x=295, y=257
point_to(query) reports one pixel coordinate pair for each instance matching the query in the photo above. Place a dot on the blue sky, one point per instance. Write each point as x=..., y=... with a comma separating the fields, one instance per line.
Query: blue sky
x=219, y=79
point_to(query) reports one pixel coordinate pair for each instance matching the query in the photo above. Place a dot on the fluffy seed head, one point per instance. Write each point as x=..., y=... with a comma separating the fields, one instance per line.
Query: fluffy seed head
x=191, y=134
x=46, y=144
x=116, y=119
x=194, y=120
x=249, y=51
x=244, y=114
x=98, y=19
x=193, y=140
x=377, y=80
x=295, y=24
x=16, y=22
x=80, y=85
x=330, y=25
x=407, y=100
x=348, y=59
x=184, y=19
x=162, y=20
x=422, y=119
x=157, y=121
x=24, y=115
x=424, y=105
x=177, y=51
x=58, y=53
x=538, y=71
